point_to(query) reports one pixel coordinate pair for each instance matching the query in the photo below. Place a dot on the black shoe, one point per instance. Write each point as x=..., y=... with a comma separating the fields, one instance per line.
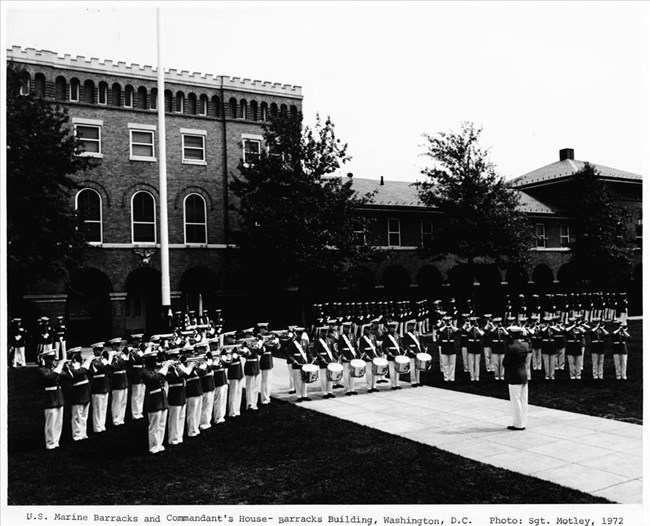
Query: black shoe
x=338, y=386
x=394, y=388
x=306, y=399
x=348, y=393
x=292, y=391
x=354, y=393
x=382, y=381
x=513, y=428
x=299, y=400
x=414, y=385
x=398, y=387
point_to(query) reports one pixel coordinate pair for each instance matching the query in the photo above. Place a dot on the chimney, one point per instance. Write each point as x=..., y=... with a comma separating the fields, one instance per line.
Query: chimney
x=566, y=154
x=350, y=174
x=381, y=181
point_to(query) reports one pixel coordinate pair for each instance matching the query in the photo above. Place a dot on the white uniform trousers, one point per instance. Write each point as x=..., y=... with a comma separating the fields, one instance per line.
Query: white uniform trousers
x=118, y=405
x=299, y=385
x=414, y=372
x=176, y=424
x=487, y=352
x=137, y=401
x=53, y=426
x=79, y=421
x=620, y=365
x=549, y=365
x=60, y=348
x=266, y=386
x=207, y=407
x=394, y=377
x=100, y=405
x=292, y=383
x=537, y=359
x=474, y=365
x=252, y=391
x=18, y=357
x=220, y=404
x=234, y=397
x=193, y=415
x=156, y=431
x=448, y=362
x=560, y=358
x=519, y=403
x=463, y=352
x=497, y=365
x=529, y=359
x=371, y=380
x=597, y=365
x=575, y=366
x=326, y=386
x=440, y=355
x=348, y=379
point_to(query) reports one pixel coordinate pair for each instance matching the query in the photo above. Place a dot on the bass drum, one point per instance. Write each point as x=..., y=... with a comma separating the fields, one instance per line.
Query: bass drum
x=423, y=361
x=334, y=372
x=357, y=368
x=379, y=366
x=402, y=364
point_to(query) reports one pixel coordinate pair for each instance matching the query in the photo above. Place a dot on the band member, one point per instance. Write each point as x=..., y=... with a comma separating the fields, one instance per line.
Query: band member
x=252, y=373
x=369, y=351
x=53, y=397
x=266, y=362
x=499, y=339
x=99, y=386
x=79, y=393
x=135, y=366
x=474, y=348
x=325, y=355
x=220, y=384
x=206, y=372
x=621, y=307
x=574, y=343
x=60, y=332
x=176, y=381
x=412, y=346
x=391, y=347
x=235, y=377
x=298, y=357
x=560, y=344
x=119, y=382
x=536, y=344
x=45, y=336
x=447, y=340
x=156, y=403
x=347, y=351
x=549, y=350
x=488, y=327
x=619, y=348
x=17, y=338
x=517, y=378
x=597, y=337
x=193, y=394
x=464, y=337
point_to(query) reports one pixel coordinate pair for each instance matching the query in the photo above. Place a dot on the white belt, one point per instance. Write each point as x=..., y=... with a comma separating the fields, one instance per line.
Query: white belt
x=176, y=385
x=99, y=375
x=52, y=388
x=119, y=372
x=193, y=378
x=155, y=391
x=80, y=383
x=137, y=366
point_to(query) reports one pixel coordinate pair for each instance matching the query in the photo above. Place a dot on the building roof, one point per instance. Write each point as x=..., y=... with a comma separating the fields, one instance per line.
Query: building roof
x=530, y=205
x=566, y=168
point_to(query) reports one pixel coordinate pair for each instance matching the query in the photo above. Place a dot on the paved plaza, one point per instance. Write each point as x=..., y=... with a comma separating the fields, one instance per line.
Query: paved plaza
x=595, y=455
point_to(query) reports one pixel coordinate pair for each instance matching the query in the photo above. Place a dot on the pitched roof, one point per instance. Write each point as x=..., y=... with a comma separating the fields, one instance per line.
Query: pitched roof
x=530, y=205
x=567, y=167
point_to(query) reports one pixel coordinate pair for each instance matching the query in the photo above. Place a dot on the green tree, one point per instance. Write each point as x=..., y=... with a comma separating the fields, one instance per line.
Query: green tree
x=44, y=240
x=480, y=221
x=600, y=251
x=294, y=220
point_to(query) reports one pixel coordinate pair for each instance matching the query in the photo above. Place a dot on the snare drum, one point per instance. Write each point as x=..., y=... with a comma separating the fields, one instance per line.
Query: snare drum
x=309, y=373
x=334, y=372
x=423, y=361
x=357, y=368
x=402, y=364
x=379, y=366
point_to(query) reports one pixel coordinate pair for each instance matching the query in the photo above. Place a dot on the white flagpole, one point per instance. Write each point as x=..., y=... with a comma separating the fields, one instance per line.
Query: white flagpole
x=162, y=163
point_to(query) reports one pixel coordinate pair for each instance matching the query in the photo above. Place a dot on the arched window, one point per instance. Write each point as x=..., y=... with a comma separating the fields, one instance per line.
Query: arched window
x=243, y=109
x=59, y=88
x=168, y=101
x=39, y=85
x=74, y=90
x=293, y=111
x=128, y=96
x=143, y=218
x=253, y=115
x=154, y=99
x=116, y=95
x=89, y=207
x=195, y=224
x=191, y=104
x=232, y=108
x=283, y=110
x=103, y=93
x=24, y=83
x=274, y=109
x=264, y=110
x=180, y=102
x=89, y=92
x=203, y=105
x=142, y=98
x=216, y=107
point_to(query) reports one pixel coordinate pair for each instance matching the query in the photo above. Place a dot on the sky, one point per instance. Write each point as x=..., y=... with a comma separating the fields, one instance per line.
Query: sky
x=536, y=76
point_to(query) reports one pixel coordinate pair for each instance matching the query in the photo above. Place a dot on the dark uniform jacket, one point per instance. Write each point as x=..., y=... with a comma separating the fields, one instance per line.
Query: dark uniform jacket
x=411, y=344
x=207, y=378
x=446, y=338
x=266, y=360
x=80, y=391
x=176, y=382
x=597, y=340
x=193, y=386
x=220, y=373
x=235, y=369
x=368, y=347
x=514, y=363
x=136, y=368
x=390, y=345
x=52, y=393
x=118, y=379
x=155, y=398
x=99, y=383
x=324, y=352
x=17, y=337
x=297, y=355
x=347, y=348
x=252, y=365
x=499, y=340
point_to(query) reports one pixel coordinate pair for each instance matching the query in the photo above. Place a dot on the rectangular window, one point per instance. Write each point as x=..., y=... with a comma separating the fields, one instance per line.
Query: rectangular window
x=359, y=236
x=193, y=146
x=426, y=232
x=252, y=150
x=540, y=235
x=74, y=90
x=203, y=106
x=89, y=133
x=103, y=94
x=142, y=142
x=565, y=236
x=128, y=97
x=394, y=233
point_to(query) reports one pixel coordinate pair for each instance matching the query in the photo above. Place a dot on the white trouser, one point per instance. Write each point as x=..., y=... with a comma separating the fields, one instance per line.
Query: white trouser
x=292, y=384
x=137, y=401
x=18, y=357
x=620, y=365
x=252, y=390
x=176, y=424
x=448, y=367
x=207, y=406
x=118, y=405
x=463, y=352
x=440, y=355
x=474, y=363
x=598, y=362
x=220, y=404
x=392, y=373
x=100, y=405
x=519, y=403
x=157, y=424
x=561, y=359
x=193, y=414
x=575, y=366
x=414, y=372
x=487, y=352
x=53, y=426
x=529, y=359
x=326, y=386
x=497, y=365
x=79, y=421
x=537, y=359
x=266, y=386
x=299, y=385
x=549, y=361
x=60, y=348
x=348, y=379
x=371, y=381
x=234, y=397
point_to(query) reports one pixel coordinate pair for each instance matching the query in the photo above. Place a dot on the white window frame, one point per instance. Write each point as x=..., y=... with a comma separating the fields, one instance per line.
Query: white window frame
x=142, y=128
x=90, y=123
x=101, y=215
x=155, y=218
x=75, y=85
x=253, y=138
x=541, y=238
x=422, y=232
x=194, y=133
x=565, y=239
x=398, y=232
x=185, y=223
x=362, y=235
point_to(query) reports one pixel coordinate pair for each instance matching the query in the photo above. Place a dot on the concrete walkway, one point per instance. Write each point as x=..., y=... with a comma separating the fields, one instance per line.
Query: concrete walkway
x=591, y=454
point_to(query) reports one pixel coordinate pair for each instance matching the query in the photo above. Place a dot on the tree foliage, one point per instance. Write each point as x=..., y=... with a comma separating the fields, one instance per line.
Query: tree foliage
x=479, y=215
x=43, y=235
x=294, y=218
x=600, y=251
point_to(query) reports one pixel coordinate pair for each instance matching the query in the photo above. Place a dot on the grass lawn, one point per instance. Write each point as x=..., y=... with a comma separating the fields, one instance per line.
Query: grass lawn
x=281, y=454
x=608, y=398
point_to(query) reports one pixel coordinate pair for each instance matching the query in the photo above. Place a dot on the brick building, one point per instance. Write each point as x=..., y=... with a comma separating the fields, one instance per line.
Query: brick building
x=212, y=124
